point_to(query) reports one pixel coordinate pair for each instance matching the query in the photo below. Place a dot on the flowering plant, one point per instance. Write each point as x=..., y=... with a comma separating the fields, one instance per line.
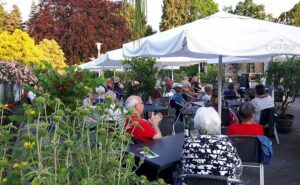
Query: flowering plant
x=14, y=72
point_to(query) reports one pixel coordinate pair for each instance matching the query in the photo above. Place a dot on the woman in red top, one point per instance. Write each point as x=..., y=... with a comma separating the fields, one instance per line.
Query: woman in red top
x=247, y=127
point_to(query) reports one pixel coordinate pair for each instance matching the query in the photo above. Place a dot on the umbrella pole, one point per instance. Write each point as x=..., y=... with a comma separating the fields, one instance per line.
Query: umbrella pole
x=172, y=74
x=220, y=86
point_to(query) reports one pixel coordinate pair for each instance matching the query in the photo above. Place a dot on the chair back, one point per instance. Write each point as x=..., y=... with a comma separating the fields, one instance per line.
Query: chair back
x=196, y=179
x=248, y=148
x=225, y=117
x=166, y=125
x=267, y=120
x=266, y=116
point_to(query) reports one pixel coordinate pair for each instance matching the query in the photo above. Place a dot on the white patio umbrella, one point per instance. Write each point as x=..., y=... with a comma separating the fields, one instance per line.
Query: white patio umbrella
x=114, y=60
x=221, y=34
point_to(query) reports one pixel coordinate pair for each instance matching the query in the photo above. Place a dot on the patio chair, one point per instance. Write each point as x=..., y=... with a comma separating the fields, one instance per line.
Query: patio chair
x=166, y=125
x=249, y=150
x=196, y=179
x=267, y=120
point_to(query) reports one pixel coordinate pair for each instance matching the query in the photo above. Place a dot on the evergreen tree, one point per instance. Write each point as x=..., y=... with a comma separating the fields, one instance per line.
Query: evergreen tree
x=175, y=13
x=250, y=9
x=52, y=52
x=19, y=47
x=202, y=8
x=291, y=17
x=146, y=30
x=78, y=25
x=13, y=20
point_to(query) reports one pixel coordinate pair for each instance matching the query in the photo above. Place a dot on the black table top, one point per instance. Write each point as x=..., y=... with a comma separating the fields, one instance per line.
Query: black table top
x=168, y=148
x=154, y=108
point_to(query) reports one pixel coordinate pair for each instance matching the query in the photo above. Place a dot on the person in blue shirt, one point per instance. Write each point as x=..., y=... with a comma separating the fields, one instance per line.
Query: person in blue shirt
x=178, y=96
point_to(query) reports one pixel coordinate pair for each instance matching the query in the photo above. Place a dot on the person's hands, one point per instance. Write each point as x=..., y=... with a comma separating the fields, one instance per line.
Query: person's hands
x=156, y=119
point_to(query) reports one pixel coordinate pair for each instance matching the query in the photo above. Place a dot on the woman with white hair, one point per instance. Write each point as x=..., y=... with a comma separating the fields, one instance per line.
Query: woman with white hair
x=209, y=153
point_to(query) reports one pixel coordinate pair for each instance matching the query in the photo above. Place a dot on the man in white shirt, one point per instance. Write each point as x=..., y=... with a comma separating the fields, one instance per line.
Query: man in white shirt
x=261, y=101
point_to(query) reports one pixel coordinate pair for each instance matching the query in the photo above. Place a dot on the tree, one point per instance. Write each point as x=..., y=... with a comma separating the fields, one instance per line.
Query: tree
x=291, y=17
x=175, y=13
x=13, y=20
x=202, y=8
x=137, y=30
x=2, y=16
x=78, y=25
x=143, y=71
x=53, y=53
x=250, y=9
x=19, y=47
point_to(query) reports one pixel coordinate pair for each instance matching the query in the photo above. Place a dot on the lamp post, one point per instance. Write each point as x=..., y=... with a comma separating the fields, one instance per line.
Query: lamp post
x=98, y=44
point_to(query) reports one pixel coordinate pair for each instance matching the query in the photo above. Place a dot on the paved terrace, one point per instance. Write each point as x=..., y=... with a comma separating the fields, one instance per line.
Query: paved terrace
x=284, y=169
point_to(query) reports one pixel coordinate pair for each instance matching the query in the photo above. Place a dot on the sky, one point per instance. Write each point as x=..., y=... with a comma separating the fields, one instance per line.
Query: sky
x=154, y=8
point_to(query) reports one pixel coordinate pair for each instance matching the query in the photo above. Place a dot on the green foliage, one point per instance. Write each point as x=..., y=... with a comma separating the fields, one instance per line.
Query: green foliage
x=52, y=52
x=285, y=74
x=250, y=9
x=291, y=17
x=19, y=47
x=63, y=152
x=71, y=86
x=211, y=75
x=202, y=8
x=138, y=26
x=143, y=71
x=175, y=13
x=12, y=20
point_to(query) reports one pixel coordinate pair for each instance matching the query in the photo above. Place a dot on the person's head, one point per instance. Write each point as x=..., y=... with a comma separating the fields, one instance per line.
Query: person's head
x=246, y=111
x=177, y=87
x=100, y=90
x=135, y=103
x=260, y=90
x=208, y=89
x=194, y=79
x=186, y=78
x=207, y=120
x=231, y=86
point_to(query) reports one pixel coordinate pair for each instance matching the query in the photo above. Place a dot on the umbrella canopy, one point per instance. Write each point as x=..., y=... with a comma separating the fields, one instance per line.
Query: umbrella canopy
x=220, y=34
x=113, y=60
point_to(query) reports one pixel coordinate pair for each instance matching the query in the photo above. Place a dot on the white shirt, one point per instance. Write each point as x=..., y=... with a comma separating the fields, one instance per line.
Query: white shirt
x=261, y=104
x=31, y=96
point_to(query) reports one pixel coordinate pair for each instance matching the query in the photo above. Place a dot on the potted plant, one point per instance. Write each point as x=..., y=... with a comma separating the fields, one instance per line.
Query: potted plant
x=285, y=77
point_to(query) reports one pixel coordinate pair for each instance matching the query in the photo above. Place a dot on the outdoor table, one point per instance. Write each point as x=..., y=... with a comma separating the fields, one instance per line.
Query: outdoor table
x=153, y=108
x=198, y=103
x=168, y=149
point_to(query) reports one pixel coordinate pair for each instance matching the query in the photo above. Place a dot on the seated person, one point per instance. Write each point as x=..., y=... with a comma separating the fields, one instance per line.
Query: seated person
x=146, y=130
x=247, y=126
x=90, y=100
x=187, y=87
x=101, y=94
x=210, y=153
x=118, y=88
x=208, y=93
x=196, y=85
x=261, y=101
x=178, y=97
x=230, y=92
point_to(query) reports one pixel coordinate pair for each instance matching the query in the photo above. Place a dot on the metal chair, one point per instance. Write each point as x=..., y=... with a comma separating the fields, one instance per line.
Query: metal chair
x=249, y=150
x=267, y=120
x=166, y=125
x=197, y=179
